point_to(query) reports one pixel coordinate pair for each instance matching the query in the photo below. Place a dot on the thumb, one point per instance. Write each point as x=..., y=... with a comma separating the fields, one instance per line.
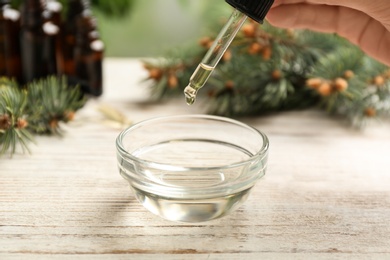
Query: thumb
x=356, y=26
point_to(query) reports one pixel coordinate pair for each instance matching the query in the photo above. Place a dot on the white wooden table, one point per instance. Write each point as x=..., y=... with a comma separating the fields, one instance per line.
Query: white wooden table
x=326, y=193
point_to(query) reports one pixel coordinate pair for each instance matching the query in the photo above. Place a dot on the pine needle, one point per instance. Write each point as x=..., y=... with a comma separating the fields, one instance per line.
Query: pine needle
x=114, y=116
x=35, y=110
x=268, y=69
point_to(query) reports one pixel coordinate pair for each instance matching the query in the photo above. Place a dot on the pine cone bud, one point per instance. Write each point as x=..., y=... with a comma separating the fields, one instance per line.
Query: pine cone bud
x=325, y=89
x=276, y=74
x=229, y=84
x=379, y=80
x=205, y=42
x=267, y=53
x=21, y=123
x=172, y=81
x=155, y=73
x=5, y=122
x=314, y=82
x=69, y=116
x=340, y=84
x=348, y=74
x=211, y=93
x=370, y=112
x=227, y=56
x=290, y=33
x=53, y=123
x=249, y=30
x=254, y=48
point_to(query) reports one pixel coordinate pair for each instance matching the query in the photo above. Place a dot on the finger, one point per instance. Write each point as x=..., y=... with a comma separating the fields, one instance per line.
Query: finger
x=379, y=10
x=321, y=18
x=356, y=26
x=360, y=5
x=305, y=16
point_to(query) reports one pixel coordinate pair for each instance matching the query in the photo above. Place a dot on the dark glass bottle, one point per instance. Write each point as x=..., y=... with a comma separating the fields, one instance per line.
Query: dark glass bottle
x=32, y=38
x=75, y=10
x=54, y=30
x=88, y=55
x=10, y=64
x=95, y=67
x=53, y=12
x=3, y=35
x=51, y=41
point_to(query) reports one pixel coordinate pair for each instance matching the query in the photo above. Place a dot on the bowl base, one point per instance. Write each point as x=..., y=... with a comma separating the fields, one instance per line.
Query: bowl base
x=187, y=210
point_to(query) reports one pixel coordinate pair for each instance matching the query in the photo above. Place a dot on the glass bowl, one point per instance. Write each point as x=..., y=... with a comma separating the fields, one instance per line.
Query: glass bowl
x=191, y=168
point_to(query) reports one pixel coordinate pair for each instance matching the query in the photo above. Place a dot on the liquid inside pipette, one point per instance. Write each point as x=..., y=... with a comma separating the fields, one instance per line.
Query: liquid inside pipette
x=197, y=81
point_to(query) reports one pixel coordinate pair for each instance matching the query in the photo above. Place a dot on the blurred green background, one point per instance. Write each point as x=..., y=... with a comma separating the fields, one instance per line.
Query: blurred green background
x=150, y=28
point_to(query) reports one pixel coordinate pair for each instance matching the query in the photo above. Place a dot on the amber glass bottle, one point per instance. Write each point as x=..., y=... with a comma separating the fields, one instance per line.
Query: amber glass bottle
x=32, y=38
x=53, y=28
x=49, y=47
x=53, y=12
x=75, y=10
x=88, y=54
x=3, y=35
x=10, y=64
x=95, y=67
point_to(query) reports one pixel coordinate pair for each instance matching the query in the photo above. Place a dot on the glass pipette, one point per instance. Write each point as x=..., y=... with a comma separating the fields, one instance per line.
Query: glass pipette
x=213, y=55
x=256, y=9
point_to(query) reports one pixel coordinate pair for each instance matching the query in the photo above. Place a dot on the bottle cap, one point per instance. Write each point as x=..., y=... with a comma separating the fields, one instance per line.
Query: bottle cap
x=255, y=9
x=50, y=28
x=97, y=45
x=11, y=14
x=54, y=6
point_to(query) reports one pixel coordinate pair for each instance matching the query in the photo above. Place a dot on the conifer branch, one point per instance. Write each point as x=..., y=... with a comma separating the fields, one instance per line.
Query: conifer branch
x=267, y=69
x=38, y=109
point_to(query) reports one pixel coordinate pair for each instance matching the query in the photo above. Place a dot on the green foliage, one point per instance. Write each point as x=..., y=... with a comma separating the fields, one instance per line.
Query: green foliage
x=267, y=69
x=38, y=109
x=57, y=103
x=113, y=8
x=12, y=117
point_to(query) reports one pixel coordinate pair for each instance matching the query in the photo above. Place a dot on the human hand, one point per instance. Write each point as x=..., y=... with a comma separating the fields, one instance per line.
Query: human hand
x=363, y=22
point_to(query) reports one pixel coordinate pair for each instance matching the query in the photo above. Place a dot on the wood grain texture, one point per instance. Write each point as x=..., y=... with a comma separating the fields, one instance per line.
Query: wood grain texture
x=326, y=193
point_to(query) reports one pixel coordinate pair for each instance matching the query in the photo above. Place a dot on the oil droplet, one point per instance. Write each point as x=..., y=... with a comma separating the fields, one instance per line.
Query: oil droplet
x=190, y=94
x=190, y=100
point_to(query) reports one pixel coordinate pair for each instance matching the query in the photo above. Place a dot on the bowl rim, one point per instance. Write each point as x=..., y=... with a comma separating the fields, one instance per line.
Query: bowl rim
x=260, y=153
